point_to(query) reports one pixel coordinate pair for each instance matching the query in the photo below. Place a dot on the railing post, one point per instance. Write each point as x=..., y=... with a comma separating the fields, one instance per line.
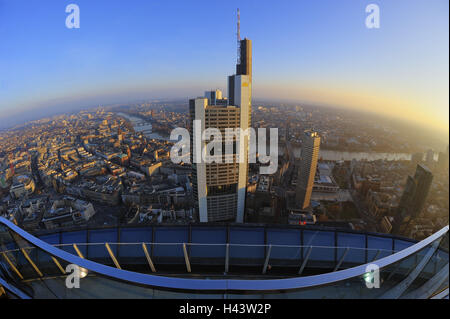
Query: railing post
x=31, y=262
x=305, y=260
x=342, y=259
x=376, y=255
x=186, y=258
x=12, y=265
x=149, y=260
x=112, y=256
x=78, y=251
x=366, y=251
x=227, y=257
x=266, y=263
x=58, y=265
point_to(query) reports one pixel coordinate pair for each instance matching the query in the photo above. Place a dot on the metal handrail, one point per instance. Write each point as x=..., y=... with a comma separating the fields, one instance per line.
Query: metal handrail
x=221, y=284
x=206, y=244
x=13, y=290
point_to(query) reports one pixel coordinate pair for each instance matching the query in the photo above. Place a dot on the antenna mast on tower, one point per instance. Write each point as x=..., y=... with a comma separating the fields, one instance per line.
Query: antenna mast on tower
x=238, y=36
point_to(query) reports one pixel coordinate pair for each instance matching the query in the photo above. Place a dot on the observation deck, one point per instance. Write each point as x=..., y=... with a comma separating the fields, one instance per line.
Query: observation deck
x=221, y=261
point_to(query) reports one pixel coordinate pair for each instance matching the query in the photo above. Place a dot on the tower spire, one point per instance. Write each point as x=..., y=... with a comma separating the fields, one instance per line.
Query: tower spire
x=238, y=36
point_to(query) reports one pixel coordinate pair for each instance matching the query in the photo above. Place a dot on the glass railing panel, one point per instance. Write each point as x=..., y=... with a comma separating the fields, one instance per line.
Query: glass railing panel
x=430, y=268
x=96, y=251
x=74, y=237
x=176, y=234
x=48, y=265
x=352, y=255
x=208, y=245
x=52, y=239
x=10, y=261
x=402, y=244
x=352, y=288
x=6, y=240
x=113, y=255
x=26, y=262
x=71, y=237
x=209, y=235
x=247, y=235
x=132, y=257
x=247, y=255
x=132, y=253
x=167, y=253
x=354, y=241
x=321, y=256
x=356, y=287
x=407, y=265
x=433, y=275
x=318, y=238
x=32, y=262
x=135, y=235
x=379, y=247
x=214, y=254
x=282, y=255
x=394, y=274
x=376, y=254
x=103, y=236
x=284, y=237
x=96, y=287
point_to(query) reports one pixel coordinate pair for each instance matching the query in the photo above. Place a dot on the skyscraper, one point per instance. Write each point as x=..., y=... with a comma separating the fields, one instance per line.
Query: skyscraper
x=307, y=169
x=413, y=198
x=243, y=68
x=220, y=188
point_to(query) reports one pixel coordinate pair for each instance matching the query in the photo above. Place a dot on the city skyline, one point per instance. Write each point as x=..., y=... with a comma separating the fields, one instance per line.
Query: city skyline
x=136, y=173
x=396, y=70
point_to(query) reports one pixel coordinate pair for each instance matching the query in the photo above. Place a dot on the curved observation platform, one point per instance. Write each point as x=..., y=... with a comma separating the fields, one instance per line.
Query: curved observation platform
x=209, y=261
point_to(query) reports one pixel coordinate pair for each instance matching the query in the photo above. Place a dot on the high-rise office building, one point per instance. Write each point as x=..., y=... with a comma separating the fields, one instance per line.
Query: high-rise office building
x=307, y=169
x=413, y=198
x=243, y=68
x=220, y=188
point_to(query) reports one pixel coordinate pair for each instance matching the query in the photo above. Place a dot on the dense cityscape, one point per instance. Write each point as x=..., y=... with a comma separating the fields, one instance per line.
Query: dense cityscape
x=221, y=194
x=111, y=165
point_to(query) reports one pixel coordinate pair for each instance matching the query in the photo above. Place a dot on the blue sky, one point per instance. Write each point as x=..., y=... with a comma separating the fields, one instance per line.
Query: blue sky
x=317, y=51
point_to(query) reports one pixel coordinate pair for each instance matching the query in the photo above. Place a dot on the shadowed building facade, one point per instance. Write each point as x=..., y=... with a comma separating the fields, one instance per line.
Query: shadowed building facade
x=413, y=199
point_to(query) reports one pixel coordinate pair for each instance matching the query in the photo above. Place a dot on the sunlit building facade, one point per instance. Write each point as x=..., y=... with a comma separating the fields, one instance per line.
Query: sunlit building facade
x=220, y=188
x=307, y=168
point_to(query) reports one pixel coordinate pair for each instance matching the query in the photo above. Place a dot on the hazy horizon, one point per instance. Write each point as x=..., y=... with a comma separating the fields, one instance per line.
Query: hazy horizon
x=320, y=52
x=77, y=106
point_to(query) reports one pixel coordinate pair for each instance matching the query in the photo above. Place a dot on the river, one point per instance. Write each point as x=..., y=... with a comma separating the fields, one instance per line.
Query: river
x=141, y=125
x=327, y=155
x=330, y=155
